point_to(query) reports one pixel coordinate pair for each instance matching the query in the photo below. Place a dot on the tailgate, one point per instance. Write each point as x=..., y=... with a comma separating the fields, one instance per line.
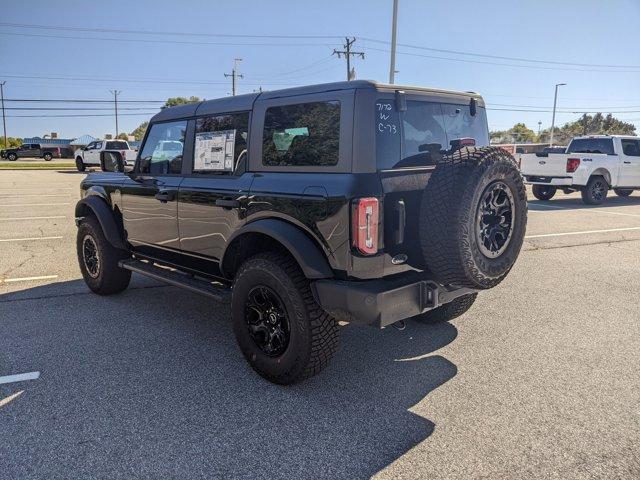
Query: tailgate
x=554, y=165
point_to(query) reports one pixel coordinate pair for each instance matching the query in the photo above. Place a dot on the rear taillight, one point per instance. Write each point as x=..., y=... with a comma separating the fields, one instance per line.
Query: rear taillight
x=572, y=164
x=366, y=213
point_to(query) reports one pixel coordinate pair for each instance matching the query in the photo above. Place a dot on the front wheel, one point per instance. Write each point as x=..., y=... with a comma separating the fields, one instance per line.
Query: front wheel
x=80, y=164
x=47, y=157
x=448, y=311
x=595, y=192
x=623, y=192
x=543, y=192
x=281, y=330
x=99, y=259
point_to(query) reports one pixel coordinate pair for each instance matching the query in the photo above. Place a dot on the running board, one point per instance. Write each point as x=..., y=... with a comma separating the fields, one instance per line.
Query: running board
x=219, y=293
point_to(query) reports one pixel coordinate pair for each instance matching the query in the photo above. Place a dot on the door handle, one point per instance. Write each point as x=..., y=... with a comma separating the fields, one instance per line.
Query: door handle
x=165, y=197
x=227, y=203
x=626, y=161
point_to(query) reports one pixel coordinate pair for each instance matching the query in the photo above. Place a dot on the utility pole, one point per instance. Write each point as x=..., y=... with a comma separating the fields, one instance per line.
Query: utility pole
x=394, y=28
x=539, y=125
x=348, y=54
x=4, y=122
x=553, y=118
x=234, y=75
x=115, y=101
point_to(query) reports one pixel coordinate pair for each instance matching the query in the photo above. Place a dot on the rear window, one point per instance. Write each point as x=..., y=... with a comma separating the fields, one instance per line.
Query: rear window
x=422, y=134
x=591, y=145
x=306, y=134
x=117, y=146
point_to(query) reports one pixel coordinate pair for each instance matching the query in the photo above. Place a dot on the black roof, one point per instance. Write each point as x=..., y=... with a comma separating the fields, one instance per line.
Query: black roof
x=245, y=102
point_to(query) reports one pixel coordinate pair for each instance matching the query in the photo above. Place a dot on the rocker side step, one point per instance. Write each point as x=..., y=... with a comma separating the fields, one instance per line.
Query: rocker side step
x=215, y=291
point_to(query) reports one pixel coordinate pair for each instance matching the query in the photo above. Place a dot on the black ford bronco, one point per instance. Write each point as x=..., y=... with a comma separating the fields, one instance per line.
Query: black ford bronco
x=353, y=201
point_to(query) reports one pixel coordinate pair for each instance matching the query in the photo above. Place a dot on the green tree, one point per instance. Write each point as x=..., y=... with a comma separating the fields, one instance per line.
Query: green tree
x=173, y=101
x=138, y=133
x=519, y=133
x=123, y=136
x=12, y=142
x=597, y=124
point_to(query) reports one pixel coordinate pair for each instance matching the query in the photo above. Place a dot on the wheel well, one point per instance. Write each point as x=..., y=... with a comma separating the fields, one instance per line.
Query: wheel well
x=246, y=246
x=602, y=172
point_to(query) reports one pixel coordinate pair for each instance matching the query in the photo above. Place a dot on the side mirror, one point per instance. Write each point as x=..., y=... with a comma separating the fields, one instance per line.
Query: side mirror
x=111, y=162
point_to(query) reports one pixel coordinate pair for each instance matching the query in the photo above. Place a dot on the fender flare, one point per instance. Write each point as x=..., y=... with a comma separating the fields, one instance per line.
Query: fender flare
x=311, y=259
x=602, y=172
x=104, y=214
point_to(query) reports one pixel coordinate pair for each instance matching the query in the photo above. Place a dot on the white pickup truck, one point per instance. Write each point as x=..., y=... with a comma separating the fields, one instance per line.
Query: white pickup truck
x=591, y=165
x=90, y=155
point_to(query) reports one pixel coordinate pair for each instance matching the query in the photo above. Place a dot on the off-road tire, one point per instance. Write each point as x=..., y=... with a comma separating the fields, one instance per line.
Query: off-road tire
x=313, y=333
x=543, y=192
x=589, y=195
x=110, y=278
x=623, y=192
x=449, y=211
x=47, y=157
x=448, y=311
x=12, y=157
x=80, y=164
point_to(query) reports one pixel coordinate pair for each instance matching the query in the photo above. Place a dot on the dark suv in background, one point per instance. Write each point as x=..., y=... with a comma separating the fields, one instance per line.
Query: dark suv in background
x=351, y=201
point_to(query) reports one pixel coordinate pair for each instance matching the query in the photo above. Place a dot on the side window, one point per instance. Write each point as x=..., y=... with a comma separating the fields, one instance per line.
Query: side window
x=91, y=146
x=162, y=150
x=631, y=148
x=306, y=134
x=221, y=141
x=98, y=146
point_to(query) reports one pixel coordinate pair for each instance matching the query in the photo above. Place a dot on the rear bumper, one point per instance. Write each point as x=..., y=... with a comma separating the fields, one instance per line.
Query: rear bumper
x=555, y=181
x=382, y=302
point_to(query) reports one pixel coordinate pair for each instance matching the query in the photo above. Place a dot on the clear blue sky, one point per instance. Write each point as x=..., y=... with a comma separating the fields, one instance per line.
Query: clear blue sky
x=580, y=32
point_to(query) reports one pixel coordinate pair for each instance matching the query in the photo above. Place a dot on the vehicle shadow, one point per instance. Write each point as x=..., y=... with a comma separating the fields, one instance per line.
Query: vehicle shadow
x=575, y=203
x=151, y=381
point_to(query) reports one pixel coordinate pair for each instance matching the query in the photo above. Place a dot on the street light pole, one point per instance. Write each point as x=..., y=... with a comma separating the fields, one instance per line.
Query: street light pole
x=115, y=100
x=553, y=118
x=394, y=28
x=4, y=122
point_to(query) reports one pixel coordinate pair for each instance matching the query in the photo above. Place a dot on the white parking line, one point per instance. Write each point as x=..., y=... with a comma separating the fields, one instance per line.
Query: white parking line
x=27, y=279
x=20, y=377
x=28, y=239
x=6, y=400
x=34, y=204
x=594, y=209
x=584, y=232
x=6, y=195
x=32, y=218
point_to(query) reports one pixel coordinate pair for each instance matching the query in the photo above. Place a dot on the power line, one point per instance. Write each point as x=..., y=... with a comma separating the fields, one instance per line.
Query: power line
x=156, y=32
x=75, y=100
x=177, y=42
x=463, y=60
x=499, y=57
x=82, y=115
x=76, y=108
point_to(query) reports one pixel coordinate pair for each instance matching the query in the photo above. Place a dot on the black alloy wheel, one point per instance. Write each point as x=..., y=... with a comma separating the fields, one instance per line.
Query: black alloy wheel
x=598, y=190
x=91, y=256
x=267, y=321
x=495, y=219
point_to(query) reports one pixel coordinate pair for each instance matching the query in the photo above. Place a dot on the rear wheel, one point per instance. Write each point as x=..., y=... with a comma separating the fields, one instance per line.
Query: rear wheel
x=595, y=192
x=99, y=259
x=543, y=192
x=448, y=311
x=80, y=164
x=623, y=192
x=12, y=157
x=281, y=330
x=473, y=217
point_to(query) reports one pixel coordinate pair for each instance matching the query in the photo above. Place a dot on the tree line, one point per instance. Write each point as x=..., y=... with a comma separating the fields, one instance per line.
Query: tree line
x=598, y=124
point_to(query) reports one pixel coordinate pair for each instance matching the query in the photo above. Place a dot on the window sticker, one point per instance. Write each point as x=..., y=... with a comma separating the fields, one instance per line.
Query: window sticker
x=215, y=150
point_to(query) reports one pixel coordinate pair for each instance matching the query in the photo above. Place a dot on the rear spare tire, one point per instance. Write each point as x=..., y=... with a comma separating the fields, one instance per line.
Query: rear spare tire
x=473, y=217
x=543, y=192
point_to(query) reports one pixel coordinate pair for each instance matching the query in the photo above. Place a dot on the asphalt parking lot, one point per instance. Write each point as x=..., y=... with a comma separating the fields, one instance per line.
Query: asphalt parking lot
x=540, y=379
